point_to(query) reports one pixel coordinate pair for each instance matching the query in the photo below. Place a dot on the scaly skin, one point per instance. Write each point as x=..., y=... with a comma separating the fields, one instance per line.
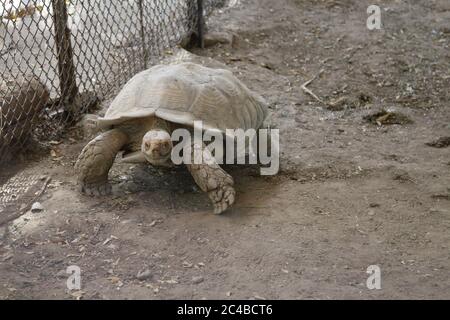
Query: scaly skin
x=96, y=159
x=211, y=178
x=98, y=156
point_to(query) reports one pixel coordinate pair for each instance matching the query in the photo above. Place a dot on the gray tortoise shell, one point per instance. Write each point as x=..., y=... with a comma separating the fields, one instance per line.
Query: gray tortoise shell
x=187, y=92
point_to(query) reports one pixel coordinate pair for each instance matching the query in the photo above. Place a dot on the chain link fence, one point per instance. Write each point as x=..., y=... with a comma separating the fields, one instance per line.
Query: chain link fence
x=58, y=58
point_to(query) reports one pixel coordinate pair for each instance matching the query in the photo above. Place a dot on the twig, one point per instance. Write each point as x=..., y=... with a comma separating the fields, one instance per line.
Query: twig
x=304, y=88
x=29, y=204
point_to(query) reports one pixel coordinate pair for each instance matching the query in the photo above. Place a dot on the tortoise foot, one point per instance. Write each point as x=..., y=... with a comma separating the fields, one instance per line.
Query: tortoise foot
x=222, y=198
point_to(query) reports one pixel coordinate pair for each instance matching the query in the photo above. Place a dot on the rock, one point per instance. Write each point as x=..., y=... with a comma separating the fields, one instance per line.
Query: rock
x=144, y=275
x=213, y=38
x=37, y=207
x=197, y=279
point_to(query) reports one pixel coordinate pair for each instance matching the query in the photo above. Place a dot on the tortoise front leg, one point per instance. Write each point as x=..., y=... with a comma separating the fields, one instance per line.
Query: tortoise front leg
x=96, y=159
x=211, y=178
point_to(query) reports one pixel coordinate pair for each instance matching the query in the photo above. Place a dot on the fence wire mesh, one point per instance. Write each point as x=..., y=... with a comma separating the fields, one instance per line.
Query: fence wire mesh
x=59, y=57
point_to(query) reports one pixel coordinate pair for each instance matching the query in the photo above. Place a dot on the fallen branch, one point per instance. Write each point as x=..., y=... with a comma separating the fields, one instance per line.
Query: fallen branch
x=304, y=88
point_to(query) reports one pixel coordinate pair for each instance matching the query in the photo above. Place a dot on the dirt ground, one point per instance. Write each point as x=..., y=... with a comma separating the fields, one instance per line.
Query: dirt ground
x=351, y=192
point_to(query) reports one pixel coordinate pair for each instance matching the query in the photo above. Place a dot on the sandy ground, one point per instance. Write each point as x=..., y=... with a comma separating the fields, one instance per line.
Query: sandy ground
x=350, y=193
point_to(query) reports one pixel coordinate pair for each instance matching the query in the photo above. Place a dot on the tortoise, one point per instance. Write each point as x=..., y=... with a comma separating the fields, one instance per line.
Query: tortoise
x=155, y=102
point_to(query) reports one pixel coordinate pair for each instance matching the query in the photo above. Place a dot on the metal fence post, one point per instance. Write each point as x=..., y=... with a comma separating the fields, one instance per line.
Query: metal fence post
x=66, y=67
x=144, y=45
x=200, y=23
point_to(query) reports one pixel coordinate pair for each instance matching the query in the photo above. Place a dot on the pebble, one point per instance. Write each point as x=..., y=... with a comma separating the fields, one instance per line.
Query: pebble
x=144, y=275
x=37, y=207
x=197, y=280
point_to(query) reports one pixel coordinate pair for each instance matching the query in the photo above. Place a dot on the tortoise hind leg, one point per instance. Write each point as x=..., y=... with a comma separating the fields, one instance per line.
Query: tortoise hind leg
x=211, y=178
x=96, y=159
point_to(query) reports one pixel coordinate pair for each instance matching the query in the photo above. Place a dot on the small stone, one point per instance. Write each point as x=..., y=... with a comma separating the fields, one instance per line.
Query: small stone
x=144, y=275
x=197, y=280
x=37, y=207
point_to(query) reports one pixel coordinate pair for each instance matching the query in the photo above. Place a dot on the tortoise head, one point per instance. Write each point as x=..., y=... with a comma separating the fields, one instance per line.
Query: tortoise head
x=157, y=146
